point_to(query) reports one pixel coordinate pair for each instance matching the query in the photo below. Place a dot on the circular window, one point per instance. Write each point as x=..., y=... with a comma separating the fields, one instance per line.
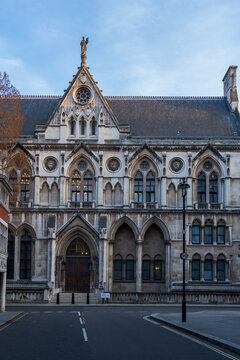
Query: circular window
x=83, y=95
x=144, y=165
x=113, y=164
x=50, y=163
x=207, y=165
x=82, y=165
x=176, y=164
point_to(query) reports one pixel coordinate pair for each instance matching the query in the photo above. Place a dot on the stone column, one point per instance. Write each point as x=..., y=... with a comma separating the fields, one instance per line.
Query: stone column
x=228, y=265
x=227, y=192
x=126, y=191
x=100, y=191
x=229, y=239
x=214, y=270
x=110, y=265
x=36, y=191
x=164, y=192
x=3, y=290
x=100, y=263
x=16, y=261
x=201, y=270
x=139, y=248
x=189, y=194
x=168, y=267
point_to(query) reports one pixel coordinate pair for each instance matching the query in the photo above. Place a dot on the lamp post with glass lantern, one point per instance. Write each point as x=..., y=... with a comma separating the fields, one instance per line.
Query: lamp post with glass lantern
x=184, y=186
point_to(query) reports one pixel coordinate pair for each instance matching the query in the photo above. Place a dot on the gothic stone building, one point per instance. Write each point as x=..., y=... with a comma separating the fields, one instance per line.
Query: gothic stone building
x=97, y=207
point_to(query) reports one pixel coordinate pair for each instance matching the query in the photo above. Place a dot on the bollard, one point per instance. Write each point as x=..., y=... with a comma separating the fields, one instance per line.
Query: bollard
x=87, y=298
x=58, y=299
x=73, y=300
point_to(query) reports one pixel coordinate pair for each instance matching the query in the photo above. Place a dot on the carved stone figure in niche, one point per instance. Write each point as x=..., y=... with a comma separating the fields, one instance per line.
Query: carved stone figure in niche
x=83, y=44
x=113, y=164
x=176, y=164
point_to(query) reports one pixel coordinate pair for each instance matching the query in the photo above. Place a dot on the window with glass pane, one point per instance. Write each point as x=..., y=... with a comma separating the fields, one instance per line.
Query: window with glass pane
x=201, y=188
x=138, y=187
x=221, y=270
x=82, y=127
x=93, y=127
x=10, y=259
x=221, y=235
x=76, y=186
x=146, y=270
x=208, y=273
x=213, y=188
x=25, y=255
x=72, y=127
x=195, y=269
x=208, y=234
x=87, y=187
x=25, y=186
x=117, y=265
x=129, y=269
x=150, y=187
x=157, y=270
x=196, y=231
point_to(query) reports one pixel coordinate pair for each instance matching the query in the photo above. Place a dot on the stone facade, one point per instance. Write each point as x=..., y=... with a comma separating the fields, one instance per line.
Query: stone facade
x=5, y=191
x=96, y=206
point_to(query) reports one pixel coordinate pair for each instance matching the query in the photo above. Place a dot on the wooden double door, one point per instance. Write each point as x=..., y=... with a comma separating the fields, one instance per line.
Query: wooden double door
x=77, y=274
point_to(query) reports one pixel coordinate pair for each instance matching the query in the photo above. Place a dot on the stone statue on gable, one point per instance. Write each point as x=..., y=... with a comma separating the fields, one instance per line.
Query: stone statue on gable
x=83, y=44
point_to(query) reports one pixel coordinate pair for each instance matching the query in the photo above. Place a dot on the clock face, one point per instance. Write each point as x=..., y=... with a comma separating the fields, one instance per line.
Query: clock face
x=83, y=95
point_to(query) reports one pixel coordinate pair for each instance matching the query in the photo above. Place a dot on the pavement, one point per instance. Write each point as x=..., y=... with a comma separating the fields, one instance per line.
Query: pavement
x=9, y=317
x=221, y=327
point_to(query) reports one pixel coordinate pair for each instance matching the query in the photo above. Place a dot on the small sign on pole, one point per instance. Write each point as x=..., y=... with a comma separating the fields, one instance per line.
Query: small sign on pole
x=105, y=295
x=184, y=256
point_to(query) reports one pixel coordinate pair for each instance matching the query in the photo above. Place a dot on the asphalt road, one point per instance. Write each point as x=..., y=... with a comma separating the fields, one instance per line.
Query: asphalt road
x=99, y=333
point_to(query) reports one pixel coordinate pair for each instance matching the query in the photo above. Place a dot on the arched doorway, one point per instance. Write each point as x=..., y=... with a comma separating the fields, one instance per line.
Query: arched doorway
x=78, y=267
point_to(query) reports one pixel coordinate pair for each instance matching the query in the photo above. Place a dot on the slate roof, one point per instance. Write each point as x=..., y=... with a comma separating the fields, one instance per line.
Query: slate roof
x=151, y=116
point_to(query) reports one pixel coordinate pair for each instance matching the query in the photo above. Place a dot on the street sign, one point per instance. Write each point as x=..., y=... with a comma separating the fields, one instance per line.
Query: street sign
x=105, y=295
x=184, y=256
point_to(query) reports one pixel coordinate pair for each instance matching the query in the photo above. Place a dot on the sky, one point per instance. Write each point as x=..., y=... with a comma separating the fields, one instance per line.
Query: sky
x=136, y=47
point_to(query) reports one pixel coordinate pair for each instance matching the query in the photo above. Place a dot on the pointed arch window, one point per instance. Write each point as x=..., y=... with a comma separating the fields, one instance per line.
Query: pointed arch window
x=93, y=126
x=201, y=185
x=76, y=186
x=213, y=188
x=138, y=187
x=150, y=187
x=196, y=232
x=130, y=268
x=82, y=126
x=196, y=267
x=25, y=186
x=208, y=232
x=146, y=268
x=221, y=268
x=72, y=126
x=117, y=268
x=221, y=232
x=88, y=187
x=25, y=255
x=208, y=269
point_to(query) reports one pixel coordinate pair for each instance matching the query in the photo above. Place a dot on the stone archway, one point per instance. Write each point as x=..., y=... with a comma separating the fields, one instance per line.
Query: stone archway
x=78, y=267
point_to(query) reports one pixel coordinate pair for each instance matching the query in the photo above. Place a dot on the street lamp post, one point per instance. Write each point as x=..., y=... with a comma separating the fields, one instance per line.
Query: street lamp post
x=184, y=186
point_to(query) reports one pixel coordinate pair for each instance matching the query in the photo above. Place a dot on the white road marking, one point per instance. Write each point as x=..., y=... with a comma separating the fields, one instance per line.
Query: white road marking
x=79, y=313
x=202, y=343
x=84, y=334
x=193, y=339
x=60, y=312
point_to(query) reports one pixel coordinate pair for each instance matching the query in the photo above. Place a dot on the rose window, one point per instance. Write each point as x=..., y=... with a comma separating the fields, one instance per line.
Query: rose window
x=83, y=95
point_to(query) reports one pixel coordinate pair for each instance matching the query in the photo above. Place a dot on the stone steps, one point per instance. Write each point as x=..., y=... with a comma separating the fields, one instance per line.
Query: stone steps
x=79, y=298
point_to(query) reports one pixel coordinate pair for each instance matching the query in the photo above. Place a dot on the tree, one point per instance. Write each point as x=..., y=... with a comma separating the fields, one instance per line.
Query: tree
x=11, y=119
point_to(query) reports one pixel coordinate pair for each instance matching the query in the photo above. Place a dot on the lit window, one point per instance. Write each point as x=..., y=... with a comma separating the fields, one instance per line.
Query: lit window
x=25, y=186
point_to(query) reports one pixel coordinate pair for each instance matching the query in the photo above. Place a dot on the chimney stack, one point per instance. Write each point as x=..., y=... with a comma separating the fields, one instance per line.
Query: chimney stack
x=230, y=87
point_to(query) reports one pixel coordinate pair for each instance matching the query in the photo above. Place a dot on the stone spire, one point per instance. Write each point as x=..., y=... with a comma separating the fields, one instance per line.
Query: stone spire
x=83, y=44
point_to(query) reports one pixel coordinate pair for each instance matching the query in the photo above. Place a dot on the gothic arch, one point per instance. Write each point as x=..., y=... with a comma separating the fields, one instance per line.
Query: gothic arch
x=29, y=228
x=123, y=220
x=197, y=168
x=157, y=221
